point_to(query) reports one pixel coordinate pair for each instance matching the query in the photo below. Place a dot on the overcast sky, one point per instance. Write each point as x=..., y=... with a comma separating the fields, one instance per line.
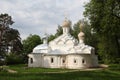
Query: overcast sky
x=40, y=16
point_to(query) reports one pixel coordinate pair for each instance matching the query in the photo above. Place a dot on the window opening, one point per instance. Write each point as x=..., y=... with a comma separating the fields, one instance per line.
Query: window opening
x=63, y=61
x=31, y=60
x=75, y=61
x=51, y=60
x=83, y=61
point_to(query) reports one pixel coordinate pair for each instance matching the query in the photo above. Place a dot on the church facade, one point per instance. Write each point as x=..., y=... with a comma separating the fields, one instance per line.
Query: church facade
x=64, y=52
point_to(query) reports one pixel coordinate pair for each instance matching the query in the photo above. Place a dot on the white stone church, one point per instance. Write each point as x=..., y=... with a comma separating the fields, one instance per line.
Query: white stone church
x=64, y=52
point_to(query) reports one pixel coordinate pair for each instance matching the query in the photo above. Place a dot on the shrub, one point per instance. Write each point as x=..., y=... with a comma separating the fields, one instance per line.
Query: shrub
x=3, y=69
x=13, y=59
x=115, y=67
x=2, y=61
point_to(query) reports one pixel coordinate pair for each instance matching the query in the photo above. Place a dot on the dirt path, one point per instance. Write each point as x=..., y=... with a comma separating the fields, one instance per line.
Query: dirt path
x=11, y=71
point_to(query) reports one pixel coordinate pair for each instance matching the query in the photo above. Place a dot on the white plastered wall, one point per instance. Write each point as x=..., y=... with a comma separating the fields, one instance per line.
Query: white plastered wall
x=57, y=61
x=88, y=61
x=37, y=60
x=40, y=60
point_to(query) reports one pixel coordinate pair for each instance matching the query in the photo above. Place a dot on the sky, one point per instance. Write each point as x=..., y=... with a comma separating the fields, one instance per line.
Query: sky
x=41, y=16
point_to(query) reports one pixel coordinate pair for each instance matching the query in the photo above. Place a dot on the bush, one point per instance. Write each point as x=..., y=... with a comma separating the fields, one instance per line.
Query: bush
x=2, y=62
x=118, y=60
x=3, y=69
x=13, y=59
x=115, y=67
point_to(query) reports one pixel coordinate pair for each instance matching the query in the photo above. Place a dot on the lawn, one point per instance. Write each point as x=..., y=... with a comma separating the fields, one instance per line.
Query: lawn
x=111, y=73
x=25, y=69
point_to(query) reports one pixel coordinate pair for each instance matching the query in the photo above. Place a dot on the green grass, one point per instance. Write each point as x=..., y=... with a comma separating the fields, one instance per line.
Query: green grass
x=111, y=73
x=114, y=67
x=25, y=69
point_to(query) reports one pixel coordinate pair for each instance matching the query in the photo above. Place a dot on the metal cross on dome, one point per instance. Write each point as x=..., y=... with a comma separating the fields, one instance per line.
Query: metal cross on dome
x=65, y=15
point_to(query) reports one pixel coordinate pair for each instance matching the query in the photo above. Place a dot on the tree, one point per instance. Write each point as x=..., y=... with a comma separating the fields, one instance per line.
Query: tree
x=90, y=38
x=59, y=31
x=105, y=20
x=30, y=42
x=51, y=37
x=9, y=37
x=76, y=29
x=5, y=21
x=12, y=39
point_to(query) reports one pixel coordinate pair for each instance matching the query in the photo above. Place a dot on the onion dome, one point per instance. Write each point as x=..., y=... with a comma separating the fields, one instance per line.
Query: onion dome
x=42, y=48
x=66, y=23
x=81, y=34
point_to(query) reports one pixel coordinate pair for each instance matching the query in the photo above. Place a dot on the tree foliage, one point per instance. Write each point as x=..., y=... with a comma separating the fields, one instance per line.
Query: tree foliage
x=51, y=37
x=9, y=37
x=104, y=16
x=90, y=38
x=14, y=59
x=59, y=31
x=30, y=42
x=12, y=38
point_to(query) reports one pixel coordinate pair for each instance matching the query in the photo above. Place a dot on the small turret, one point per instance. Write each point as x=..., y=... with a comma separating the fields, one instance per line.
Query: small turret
x=66, y=23
x=45, y=38
x=66, y=26
x=81, y=35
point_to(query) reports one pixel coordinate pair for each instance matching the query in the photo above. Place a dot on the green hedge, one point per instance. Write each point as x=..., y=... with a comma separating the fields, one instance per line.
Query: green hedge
x=14, y=59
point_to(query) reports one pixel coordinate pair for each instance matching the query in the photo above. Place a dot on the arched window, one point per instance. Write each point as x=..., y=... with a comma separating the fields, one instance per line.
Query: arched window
x=52, y=60
x=75, y=61
x=83, y=61
x=31, y=60
x=63, y=60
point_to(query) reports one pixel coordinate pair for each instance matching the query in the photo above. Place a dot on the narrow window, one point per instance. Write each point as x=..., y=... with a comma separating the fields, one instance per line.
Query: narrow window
x=31, y=60
x=74, y=60
x=83, y=61
x=63, y=61
x=51, y=60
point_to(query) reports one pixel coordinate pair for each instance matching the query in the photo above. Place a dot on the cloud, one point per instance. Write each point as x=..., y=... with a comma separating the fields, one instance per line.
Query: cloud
x=35, y=16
